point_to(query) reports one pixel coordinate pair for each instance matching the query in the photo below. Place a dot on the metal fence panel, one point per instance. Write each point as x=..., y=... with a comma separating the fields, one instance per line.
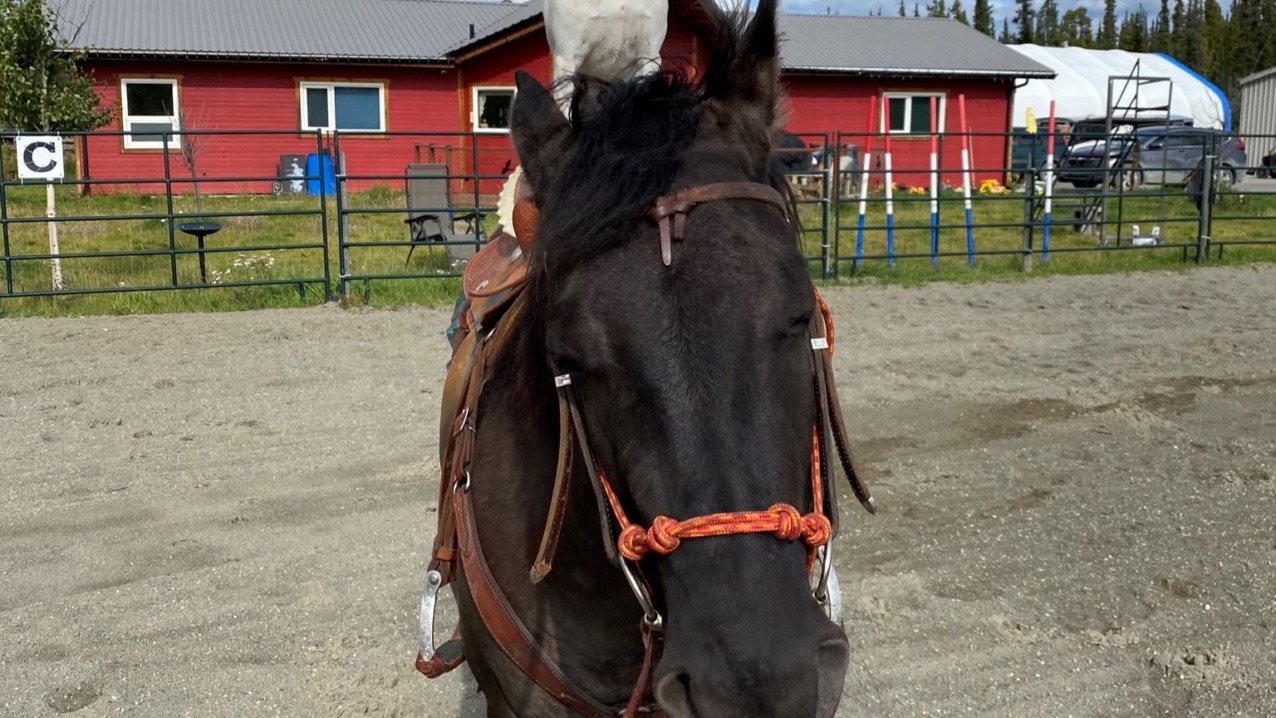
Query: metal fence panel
x=222, y=209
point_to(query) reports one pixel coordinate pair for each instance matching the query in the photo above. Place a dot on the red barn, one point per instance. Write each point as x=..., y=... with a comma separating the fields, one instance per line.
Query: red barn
x=837, y=68
x=432, y=80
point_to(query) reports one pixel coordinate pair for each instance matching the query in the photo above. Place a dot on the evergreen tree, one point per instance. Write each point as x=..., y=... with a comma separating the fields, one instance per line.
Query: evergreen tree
x=1076, y=28
x=1024, y=22
x=1107, y=38
x=1006, y=38
x=936, y=8
x=1160, y=38
x=1178, y=41
x=1246, y=37
x=902, y=11
x=1134, y=32
x=1047, y=30
x=1214, y=40
x=983, y=18
x=1269, y=35
x=959, y=13
x=917, y=10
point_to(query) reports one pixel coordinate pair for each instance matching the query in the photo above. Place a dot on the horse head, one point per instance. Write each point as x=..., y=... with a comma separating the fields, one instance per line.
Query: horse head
x=692, y=371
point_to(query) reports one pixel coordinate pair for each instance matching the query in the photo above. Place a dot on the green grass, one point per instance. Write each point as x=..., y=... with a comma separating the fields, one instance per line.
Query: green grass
x=269, y=238
x=998, y=227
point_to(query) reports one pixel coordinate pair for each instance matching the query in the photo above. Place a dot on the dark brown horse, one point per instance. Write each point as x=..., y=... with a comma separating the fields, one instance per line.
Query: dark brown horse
x=670, y=354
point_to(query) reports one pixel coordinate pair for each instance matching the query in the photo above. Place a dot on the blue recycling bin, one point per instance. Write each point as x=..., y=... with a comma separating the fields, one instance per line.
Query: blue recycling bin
x=319, y=167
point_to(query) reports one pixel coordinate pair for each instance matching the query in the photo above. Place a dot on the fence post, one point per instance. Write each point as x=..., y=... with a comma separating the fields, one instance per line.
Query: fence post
x=82, y=161
x=323, y=212
x=4, y=230
x=1029, y=200
x=835, y=198
x=343, y=226
x=474, y=152
x=1207, y=204
x=831, y=189
x=168, y=198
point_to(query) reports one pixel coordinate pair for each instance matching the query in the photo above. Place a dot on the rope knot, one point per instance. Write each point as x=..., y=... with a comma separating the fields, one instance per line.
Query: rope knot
x=788, y=522
x=662, y=537
x=817, y=530
x=633, y=543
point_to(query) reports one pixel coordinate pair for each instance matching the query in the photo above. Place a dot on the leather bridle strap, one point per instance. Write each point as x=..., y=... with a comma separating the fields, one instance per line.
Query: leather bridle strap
x=507, y=631
x=831, y=408
x=670, y=211
x=558, y=498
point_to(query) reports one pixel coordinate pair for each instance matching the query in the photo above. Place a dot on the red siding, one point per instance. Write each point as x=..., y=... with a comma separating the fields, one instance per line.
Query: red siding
x=496, y=67
x=831, y=104
x=256, y=96
x=252, y=96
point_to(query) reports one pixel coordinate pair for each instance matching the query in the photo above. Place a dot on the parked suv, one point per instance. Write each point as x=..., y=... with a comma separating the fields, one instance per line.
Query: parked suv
x=1168, y=155
x=1151, y=154
x=1029, y=149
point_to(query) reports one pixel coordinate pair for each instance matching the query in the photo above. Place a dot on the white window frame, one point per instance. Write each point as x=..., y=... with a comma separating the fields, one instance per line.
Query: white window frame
x=941, y=111
x=474, y=107
x=306, y=125
x=127, y=119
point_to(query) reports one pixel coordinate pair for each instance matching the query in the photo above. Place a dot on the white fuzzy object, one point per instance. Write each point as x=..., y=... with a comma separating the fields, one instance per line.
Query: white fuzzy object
x=607, y=39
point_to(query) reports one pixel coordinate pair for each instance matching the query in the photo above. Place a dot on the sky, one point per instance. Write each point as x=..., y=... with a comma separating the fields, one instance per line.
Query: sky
x=1000, y=8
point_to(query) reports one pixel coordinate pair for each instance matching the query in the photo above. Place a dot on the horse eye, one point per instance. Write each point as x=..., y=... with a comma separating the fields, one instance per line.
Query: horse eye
x=565, y=364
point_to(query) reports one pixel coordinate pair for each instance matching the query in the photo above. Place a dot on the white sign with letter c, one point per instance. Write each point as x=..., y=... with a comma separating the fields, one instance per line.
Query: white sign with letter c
x=40, y=157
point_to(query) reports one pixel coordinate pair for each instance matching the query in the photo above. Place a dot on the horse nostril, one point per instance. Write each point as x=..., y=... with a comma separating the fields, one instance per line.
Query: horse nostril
x=832, y=657
x=673, y=693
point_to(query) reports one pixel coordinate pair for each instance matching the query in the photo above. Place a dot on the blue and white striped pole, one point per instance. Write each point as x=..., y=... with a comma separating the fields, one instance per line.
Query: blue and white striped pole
x=934, y=183
x=890, y=207
x=965, y=179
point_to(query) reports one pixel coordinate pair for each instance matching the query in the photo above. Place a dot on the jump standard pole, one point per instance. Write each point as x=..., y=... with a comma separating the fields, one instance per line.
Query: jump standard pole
x=934, y=183
x=866, y=165
x=1049, y=190
x=965, y=178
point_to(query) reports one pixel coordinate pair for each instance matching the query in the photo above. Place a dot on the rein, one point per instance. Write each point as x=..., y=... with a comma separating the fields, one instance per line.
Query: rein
x=625, y=541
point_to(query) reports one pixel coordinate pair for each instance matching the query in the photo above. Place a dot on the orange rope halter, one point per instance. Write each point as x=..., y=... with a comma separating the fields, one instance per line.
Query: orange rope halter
x=786, y=522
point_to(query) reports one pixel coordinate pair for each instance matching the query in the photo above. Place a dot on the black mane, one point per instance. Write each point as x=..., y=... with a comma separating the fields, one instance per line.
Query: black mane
x=627, y=142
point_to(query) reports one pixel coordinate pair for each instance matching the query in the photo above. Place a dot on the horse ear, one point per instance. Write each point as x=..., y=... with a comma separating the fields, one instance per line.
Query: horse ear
x=538, y=127
x=749, y=71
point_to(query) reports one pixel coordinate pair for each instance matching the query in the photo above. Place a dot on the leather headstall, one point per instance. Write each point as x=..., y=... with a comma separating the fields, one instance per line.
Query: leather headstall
x=494, y=284
x=670, y=211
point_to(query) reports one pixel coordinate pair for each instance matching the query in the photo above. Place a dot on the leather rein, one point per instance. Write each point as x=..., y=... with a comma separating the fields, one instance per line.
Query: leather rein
x=626, y=542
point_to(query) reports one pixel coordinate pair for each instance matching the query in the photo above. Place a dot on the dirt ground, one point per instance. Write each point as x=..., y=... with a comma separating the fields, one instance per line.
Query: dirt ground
x=228, y=515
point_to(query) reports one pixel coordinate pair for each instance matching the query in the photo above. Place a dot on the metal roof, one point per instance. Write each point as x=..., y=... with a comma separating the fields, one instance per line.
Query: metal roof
x=897, y=46
x=1255, y=77
x=431, y=30
x=351, y=30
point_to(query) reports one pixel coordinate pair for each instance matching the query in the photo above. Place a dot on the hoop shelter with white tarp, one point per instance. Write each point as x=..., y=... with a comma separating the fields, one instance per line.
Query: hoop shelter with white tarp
x=1080, y=87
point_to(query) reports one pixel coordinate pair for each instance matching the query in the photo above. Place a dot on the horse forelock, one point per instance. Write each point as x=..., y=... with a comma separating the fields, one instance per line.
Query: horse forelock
x=627, y=143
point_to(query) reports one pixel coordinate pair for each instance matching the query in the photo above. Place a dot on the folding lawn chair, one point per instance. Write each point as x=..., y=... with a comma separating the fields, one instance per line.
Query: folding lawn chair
x=432, y=216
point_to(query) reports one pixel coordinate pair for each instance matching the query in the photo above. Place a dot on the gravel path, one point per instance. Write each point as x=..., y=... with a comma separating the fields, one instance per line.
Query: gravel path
x=227, y=515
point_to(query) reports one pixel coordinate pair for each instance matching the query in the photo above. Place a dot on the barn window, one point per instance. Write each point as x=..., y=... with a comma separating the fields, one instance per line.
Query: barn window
x=908, y=113
x=492, y=108
x=345, y=106
x=149, y=109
